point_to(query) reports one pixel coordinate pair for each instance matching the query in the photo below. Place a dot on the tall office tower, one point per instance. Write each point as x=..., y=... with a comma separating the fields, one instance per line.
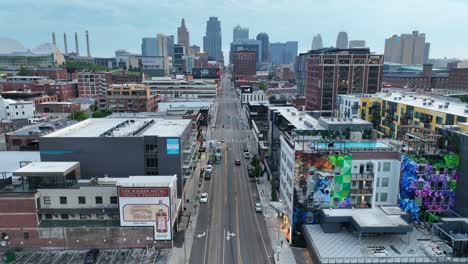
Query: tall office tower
x=178, y=59
x=283, y=53
x=317, y=42
x=149, y=47
x=240, y=33
x=406, y=49
x=354, y=44
x=265, y=44
x=170, y=46
x=427, y=50
x=212, y=40
x=352, y=71
x=342, y=40
x=183, y=36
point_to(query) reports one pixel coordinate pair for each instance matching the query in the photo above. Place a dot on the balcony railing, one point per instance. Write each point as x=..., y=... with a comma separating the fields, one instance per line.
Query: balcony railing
x=363, y=176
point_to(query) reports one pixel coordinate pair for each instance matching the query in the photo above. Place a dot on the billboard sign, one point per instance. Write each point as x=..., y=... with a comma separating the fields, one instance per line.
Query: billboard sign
x=147, y=206
x=172, y=146
x=206, y=72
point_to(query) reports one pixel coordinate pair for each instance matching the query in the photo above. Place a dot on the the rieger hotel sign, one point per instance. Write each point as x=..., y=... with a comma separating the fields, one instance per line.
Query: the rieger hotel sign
x=147, y=206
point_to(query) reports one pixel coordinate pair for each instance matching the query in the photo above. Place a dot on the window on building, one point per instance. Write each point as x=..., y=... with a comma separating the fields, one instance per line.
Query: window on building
x=98, y=199
x=48, y=216
x=385, y=182
x=84, y=217
x=4, y=235
x=446, y=201
x=386, y=166
x=64, y=216
x=378, y=182
x=63, y=200
x=26, y=235
x=81, y=200
x=46, y=199
x=100, y=216
x=378, y=166
x=113, y=199
x=376, y=197
x=383, y=197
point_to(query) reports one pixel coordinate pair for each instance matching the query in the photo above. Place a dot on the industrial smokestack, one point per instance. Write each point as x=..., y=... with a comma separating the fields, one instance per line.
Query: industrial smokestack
x=76, y=45
x=65, y=41
x=53, y=38
x=87, y=44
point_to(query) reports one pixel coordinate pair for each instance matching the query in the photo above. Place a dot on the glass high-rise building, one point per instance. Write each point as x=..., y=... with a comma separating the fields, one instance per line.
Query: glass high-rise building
x=342, y=40
x=265, y=46
x=149, y=47
x=212, y=40
x=240, y=33
x=283, y=53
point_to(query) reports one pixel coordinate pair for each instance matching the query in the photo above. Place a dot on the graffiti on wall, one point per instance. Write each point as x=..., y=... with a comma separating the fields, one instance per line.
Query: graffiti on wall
x=428, y=183
x=320, y=181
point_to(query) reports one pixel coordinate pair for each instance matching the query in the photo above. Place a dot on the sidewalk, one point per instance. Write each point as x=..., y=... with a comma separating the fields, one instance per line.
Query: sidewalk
x=179, y=255
x=286, y=255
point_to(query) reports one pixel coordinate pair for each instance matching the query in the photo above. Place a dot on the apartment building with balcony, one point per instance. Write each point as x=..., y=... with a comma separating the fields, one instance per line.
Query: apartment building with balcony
x=393, y=113
x=93, y=84
x=317, y=174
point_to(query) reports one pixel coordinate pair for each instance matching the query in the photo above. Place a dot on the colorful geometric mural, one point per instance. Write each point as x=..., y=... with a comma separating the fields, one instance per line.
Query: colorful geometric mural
x=428, y=183
x=319, y=181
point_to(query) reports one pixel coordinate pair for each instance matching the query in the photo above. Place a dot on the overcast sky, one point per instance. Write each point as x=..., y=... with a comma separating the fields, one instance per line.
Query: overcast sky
x=120, y=24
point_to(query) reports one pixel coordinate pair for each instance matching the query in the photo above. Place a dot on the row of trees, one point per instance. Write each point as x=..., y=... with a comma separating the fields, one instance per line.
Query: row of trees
x=81, y=115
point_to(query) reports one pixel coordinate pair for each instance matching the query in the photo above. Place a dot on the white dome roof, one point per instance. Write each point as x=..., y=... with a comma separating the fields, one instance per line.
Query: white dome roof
x=8, y=45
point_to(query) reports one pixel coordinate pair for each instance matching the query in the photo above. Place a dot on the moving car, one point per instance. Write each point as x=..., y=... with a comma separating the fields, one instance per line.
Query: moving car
x=91, y=256
x=258, y=207
x=207, y=175
x=209, y=168
x=210, y=162
x=246, y=155
x=238, y=162
x=204, y=198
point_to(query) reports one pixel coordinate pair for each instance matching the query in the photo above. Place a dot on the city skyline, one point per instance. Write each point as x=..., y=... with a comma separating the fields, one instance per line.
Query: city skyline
x=103, y=20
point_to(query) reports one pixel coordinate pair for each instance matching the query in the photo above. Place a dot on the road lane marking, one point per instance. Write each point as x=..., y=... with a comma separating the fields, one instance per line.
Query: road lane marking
x=225, y=174
x=224, y=243
x=239, y=257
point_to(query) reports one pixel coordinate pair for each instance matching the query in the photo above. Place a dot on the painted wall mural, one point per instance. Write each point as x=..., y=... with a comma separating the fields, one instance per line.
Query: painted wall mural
x=428, y=183
x=320, y=181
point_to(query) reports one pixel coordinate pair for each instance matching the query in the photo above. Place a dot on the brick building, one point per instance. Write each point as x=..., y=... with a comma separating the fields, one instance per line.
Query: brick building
x=57, y=107
x=125, y=77
x=52, y=73
x=45, y=99
x=458, y=79
x=245, y=63
x=93, y=84
x=128, y=98
x=427, y=78
x=331, y=72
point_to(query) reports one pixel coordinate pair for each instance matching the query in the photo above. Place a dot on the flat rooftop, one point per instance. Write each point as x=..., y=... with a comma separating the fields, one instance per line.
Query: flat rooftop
x=372, y=217
x=346, y=247
x=350, y=121
x=146, y=181
x=124, y=127
x=164, y=106
x=300, y=120
x=429, y=102
x=46, y=168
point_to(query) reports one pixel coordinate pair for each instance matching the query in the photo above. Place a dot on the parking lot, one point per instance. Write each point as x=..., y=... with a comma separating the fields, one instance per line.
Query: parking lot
x=117, y=256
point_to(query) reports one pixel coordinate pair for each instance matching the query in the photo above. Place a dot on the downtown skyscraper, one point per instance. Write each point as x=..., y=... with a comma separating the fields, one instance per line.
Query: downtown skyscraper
x=183, y=36
x=240, y=33
x=317, y=42
x=212, y=40
x=342, y=40
x=265, y=43
x=407, y=48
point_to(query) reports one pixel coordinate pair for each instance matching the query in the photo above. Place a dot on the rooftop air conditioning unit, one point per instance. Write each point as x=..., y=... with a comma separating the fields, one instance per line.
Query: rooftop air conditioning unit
x=424, y=103
x=466, y=111
x=441, y=106
x=300, y=118
x=399, y=98
x=446, y=106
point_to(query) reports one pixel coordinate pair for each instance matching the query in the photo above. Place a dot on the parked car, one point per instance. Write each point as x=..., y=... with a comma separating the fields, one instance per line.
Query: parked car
x=258, y=207
x=204, y=198
x=92, y=256
x=207, y=175
x=238, y=162
x=210, y=162
x=246, y=155
x=209, y=168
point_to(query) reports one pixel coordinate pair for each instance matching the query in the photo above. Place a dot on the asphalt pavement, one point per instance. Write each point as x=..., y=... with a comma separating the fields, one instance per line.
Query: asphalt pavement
x=228, y=229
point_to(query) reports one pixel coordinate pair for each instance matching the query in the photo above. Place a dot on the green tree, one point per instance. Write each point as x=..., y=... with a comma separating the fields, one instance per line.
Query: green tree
x=102, y=113
x=79, y=115
x=23, y=71
x=263, y=86
x=75, y=65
